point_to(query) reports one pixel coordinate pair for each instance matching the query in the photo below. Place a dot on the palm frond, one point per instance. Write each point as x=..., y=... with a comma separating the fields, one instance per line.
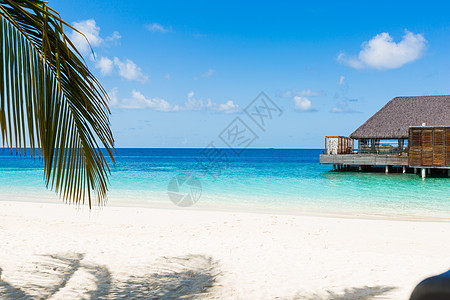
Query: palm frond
x=51, y=102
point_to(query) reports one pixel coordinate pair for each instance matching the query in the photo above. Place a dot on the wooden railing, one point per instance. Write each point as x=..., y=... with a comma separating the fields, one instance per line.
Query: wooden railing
x=338, y=145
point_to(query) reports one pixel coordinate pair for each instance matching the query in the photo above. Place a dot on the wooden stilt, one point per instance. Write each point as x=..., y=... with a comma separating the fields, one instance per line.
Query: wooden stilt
x=424, y=173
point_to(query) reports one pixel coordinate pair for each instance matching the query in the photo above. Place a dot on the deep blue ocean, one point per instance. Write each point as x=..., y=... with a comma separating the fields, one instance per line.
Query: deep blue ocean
x=273, y=180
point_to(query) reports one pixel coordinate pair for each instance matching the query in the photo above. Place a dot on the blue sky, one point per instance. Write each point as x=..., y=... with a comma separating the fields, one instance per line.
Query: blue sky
x=179, y=72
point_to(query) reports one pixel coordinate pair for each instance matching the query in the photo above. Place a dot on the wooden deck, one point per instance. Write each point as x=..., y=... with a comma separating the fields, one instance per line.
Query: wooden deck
x=365, y=159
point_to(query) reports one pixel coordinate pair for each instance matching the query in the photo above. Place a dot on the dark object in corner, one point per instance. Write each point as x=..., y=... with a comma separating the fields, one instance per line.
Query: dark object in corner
x=435, y=288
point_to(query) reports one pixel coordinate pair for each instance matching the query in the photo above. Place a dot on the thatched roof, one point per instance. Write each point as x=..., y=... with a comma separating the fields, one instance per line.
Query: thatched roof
x=393, y=120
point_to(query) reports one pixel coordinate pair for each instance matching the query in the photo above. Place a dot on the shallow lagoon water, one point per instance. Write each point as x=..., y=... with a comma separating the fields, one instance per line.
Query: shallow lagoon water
x=284, y=180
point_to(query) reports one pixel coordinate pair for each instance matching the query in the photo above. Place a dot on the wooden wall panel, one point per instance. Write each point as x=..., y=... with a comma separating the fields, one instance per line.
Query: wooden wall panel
x=427, y=147
x=415, y=147
x=438, y=146
x=447, y=146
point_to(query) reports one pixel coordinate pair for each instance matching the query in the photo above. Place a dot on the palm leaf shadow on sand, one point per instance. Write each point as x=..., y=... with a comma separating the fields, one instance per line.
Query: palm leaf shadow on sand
x=186, y=277
x=53, y=271
x=356, y=293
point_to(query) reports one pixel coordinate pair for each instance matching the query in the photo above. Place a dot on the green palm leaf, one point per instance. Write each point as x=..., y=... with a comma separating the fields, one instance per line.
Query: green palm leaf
x=51, y=103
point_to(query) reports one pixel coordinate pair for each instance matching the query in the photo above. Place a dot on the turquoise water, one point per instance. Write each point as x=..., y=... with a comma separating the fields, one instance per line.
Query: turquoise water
x=289, y=181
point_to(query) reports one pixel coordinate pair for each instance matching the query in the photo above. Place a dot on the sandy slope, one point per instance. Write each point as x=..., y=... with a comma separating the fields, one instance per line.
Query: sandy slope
x=58, y=252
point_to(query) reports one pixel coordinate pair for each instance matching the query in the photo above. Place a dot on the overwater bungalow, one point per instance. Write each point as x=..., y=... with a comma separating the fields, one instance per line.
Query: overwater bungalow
x=408, y=132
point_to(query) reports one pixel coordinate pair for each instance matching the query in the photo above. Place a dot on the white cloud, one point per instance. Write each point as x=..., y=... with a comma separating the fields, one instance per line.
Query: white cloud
x=382, y=53
x=344, y=108
x=208, y=73
x=115, y=36
x=229, y=107
x=351, y=62
x=195, y=105
x=139, y=101
x=91, y=32
x=167, y=76
x=105, y=65
x=337, y=110
x=301, y=99
x=114, y=96
x=156, y=27
x=126, y=69
x=303, y=103
x=307, y=93
x=344, y=103
x=129, y=70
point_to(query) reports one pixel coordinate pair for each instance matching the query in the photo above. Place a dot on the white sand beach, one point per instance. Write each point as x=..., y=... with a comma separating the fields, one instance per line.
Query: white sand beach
x=56, y=251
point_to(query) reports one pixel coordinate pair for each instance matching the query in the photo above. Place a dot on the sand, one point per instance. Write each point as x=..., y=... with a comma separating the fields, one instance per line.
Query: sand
x=57, y=251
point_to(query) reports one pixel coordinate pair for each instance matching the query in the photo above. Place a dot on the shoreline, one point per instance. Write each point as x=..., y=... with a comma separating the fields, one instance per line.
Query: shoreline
x=254, y=210
x=291, y=212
